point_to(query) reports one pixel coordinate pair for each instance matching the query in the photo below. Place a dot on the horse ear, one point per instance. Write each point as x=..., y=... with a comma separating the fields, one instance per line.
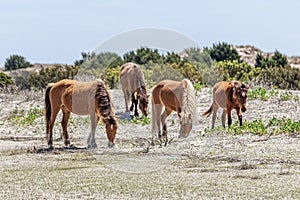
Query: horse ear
x=245, y=86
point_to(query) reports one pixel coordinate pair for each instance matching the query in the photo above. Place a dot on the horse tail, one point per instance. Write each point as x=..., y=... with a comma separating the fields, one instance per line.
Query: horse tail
x=188, y=112
x=48, y=104
x=209, y=111
x=104, y=103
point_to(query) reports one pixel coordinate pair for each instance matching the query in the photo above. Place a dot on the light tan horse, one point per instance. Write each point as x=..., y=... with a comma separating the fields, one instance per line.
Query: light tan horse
x=81, y=98
x=174, y=96
x=134, y=89
x=228, y=95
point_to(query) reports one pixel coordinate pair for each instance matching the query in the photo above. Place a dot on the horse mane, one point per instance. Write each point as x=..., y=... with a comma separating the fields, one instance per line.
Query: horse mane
x=106, y=107
x=188, y=103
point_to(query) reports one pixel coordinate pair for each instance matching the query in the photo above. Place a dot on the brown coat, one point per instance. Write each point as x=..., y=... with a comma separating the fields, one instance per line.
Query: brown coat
x=228, y=95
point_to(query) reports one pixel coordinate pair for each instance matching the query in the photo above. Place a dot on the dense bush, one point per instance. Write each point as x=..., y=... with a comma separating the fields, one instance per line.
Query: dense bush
x=275, y=71
x=281, y=77
x=142, y=56
x=223, y=51
x=199, y=58
x=277, y=60
x=235, y=70
x=16, y=62
x=50, y=75
x=5, y=79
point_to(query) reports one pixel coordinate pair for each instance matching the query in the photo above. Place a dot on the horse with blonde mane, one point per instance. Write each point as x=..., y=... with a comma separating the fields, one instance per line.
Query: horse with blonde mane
x=133, y=87
x=81, y=98
x=174, y=96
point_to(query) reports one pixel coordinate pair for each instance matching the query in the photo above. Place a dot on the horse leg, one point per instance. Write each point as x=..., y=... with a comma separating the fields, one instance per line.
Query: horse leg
x=64, y=124
x=229, y=117
x=214, y=116
x=54, y=113
x=156, y=111
x=91, y=139
x=125, y=92
x=135, y=107
x=165, y=114
x=224, y=117
x=240, y=116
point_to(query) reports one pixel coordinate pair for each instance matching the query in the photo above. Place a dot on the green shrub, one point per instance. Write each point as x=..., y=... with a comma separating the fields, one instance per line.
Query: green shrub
x=223, y=51
x=277, y=60
x=51, y=75
x=235, y=70
x=5, y=80
x=281, y=77
x=16, y=62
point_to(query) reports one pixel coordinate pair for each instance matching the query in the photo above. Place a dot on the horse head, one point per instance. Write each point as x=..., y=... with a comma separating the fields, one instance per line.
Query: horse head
x=143, y=100
x=240, y=94
x=186, y=125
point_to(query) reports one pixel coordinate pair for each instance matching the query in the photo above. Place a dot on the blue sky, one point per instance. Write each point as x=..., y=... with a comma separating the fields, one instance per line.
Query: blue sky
x=57, y=31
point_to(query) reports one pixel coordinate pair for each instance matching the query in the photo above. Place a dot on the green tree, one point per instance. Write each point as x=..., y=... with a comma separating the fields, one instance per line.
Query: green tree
x=263, y=62
x=143, y=55
x=223, y=51
x=172, y=58
x=16, y=62
x=279, y=59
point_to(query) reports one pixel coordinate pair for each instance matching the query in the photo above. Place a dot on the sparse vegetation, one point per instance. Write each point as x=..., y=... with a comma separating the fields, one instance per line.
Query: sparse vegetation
x=23, y=117
x=274, y=125
x=263, y=94
x=143, y=120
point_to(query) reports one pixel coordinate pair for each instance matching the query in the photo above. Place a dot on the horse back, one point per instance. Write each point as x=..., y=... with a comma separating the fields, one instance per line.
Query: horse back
x=168, y=93
x=131, y=76
x=223, y=94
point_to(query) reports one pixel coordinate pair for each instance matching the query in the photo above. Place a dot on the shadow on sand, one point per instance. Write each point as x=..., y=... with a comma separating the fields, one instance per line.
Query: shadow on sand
x=124, y=115
x=59, y=149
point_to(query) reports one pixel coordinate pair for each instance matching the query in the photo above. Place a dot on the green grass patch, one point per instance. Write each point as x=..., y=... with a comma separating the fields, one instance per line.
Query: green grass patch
x=264, y=94
x=261, y=127
x=22, y=117
x=274, y=125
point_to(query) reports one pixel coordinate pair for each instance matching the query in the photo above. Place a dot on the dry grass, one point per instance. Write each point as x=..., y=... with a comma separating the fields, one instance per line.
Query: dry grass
x=207, y=165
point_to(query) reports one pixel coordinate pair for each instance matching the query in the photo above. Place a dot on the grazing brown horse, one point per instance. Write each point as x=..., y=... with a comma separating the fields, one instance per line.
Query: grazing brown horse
x=81, y=98
x=229, y=96
x=133, y=86
x=174, y=96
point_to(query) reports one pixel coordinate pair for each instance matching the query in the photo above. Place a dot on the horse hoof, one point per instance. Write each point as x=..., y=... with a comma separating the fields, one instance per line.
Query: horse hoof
x=152, y=143
x=51, y=148
x=67, y=143
x=110, y=144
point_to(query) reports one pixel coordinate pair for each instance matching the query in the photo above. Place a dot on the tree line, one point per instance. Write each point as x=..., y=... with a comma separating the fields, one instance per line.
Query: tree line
x=204, y=66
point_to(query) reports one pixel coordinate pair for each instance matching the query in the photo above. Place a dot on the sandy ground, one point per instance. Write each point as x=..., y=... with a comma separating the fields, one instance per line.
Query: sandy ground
x=206, y=165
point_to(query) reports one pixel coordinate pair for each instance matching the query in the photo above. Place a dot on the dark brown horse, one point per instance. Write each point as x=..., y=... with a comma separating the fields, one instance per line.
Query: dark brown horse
x=134, y=89
x=174, y=96
x=229, y=96
x=81, y=98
